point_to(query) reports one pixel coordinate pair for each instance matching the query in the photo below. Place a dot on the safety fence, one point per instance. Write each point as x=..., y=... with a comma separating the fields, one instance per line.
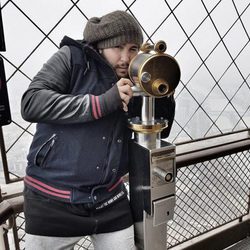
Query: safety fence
x=212, y=190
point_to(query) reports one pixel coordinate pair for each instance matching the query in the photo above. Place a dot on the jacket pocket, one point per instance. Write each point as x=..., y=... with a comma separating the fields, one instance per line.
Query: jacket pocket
x=44, y=150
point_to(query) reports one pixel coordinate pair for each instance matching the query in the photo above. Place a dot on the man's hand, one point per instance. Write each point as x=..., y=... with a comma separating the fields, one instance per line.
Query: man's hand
x=124, y=87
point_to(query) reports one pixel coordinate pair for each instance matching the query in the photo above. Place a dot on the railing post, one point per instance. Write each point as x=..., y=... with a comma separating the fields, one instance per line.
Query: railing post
x=4, y=158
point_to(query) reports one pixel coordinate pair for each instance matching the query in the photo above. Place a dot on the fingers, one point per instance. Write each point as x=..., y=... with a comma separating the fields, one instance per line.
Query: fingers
x=125, y=107
x=124, y=87
x=124, y=81
x=126, y=93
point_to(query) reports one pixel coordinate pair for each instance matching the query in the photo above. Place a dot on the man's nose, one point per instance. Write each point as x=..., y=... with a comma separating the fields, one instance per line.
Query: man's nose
x=125, y=57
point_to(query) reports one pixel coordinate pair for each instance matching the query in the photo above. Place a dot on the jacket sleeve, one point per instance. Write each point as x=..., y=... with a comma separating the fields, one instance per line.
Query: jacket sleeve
x=48, y=99
x=164, y=108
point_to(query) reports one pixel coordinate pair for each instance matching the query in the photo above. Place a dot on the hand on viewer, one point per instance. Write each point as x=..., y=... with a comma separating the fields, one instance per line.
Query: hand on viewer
x=124, y=87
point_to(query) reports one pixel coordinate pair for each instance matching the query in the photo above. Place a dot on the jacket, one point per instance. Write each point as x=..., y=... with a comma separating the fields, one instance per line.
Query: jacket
x=79, y=152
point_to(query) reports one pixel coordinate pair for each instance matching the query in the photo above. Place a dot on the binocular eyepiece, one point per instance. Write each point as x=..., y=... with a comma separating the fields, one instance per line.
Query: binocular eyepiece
x=159, y=47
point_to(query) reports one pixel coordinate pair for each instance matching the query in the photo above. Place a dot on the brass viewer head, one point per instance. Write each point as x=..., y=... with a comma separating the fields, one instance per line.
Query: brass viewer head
x=154, y=71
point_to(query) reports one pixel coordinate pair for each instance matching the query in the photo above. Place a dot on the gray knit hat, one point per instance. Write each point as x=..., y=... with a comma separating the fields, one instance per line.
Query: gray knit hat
x=113, y=29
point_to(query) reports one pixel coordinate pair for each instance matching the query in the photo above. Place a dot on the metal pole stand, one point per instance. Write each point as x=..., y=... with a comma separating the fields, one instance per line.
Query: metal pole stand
x=152, y=179
x=152, y=161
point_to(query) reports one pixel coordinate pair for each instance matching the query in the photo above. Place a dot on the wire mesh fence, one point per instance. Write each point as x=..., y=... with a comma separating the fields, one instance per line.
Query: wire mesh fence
x=210, y=194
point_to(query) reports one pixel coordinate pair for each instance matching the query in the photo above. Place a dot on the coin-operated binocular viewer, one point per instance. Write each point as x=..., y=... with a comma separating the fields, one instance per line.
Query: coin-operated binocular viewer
x=152, y=161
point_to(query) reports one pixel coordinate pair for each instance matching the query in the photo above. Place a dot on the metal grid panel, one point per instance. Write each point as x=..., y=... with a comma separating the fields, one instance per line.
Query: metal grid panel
x=20, y=223
x=209, y=195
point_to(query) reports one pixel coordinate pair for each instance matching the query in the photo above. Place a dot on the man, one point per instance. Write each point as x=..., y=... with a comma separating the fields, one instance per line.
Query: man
x=80, y=100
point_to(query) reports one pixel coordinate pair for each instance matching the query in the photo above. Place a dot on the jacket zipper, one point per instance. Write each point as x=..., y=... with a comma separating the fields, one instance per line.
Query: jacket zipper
x=52, y=139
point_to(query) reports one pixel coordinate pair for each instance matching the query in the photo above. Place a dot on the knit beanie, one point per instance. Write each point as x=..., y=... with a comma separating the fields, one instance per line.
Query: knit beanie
x=113, y=29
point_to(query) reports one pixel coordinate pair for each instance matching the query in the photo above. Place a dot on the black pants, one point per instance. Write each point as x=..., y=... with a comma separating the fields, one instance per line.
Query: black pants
x=45, y=216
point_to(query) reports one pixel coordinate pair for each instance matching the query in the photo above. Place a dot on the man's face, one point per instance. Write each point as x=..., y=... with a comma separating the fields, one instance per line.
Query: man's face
x=120, y=57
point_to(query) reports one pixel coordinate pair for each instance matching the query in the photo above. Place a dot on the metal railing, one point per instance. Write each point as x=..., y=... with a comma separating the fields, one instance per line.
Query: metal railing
x=212, y=191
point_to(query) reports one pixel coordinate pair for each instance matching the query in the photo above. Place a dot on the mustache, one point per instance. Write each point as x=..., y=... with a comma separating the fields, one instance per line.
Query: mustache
x=122, y=66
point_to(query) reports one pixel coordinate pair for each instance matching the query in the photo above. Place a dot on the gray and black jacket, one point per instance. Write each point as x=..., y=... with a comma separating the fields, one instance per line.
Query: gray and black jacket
x=79, y=152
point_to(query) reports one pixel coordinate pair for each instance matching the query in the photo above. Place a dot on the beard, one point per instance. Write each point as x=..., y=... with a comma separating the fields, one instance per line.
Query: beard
x=122, y=70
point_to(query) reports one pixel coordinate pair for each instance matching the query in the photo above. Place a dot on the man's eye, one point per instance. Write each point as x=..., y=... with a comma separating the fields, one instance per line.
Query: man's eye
x=134, y=49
